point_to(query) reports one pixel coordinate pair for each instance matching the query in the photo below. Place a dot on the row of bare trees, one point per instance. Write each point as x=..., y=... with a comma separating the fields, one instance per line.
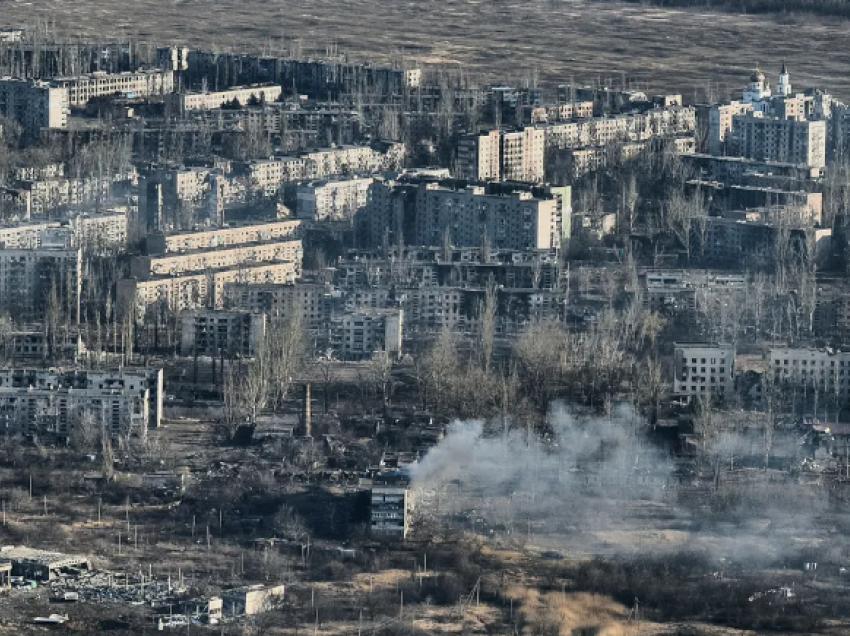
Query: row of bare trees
x=261, y=384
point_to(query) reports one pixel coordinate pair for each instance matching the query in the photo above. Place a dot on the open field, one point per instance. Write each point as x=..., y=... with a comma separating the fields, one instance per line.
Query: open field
x=656, y=47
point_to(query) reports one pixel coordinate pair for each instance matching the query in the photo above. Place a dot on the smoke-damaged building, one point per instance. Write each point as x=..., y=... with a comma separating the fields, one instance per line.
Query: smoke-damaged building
x=392, y=504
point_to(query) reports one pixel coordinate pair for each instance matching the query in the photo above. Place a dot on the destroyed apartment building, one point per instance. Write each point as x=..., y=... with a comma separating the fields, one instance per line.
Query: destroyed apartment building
x=53, y=402
x=41, y=565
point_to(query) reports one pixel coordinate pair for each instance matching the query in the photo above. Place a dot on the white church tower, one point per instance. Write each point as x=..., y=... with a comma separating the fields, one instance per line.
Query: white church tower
x=783, y=89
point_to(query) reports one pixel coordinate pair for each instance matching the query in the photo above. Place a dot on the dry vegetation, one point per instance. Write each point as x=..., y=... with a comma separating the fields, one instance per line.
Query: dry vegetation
x=675, y=49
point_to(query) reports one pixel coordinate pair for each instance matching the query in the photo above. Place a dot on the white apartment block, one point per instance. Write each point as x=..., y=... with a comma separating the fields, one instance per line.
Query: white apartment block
x=47, y=194
x=98, y=233
x=479, y=156
x=217, y=332
x=25, y=236
x=391, y=505
x=818, y=370
x=223, y=237
x=144, y=83
x=332, y=200
x=499, y=155
x=515, y=221
x=362, y=333
x=128, y=400
x=344, y=160
x=703, y=370
x=56, y=412
x=783, y=140
x=522, y=155
x=176, y=263
x=35, y=173
x=598, y=131
x=268, y=175
x=183, y=292
x=95, y=232
x=719, y=124
x=183, y=102
x=34, y=105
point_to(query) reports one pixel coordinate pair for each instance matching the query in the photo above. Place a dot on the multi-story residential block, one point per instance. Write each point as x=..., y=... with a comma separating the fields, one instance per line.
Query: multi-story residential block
x=391, y=504
x=92, y=233
x=598, y=131
x=784, y=140
x=99, y=233
x=193, y=290
x=36, y=173
x=52, y=402
x=45, y=195
x=516, y=221
x=715, y=124
x=419, y=211
x=256, y=94
x=497, y=155
x=588, y=159
x=822, y=371
x=165, y=196
x=737, y=170
x=33, y=344
x=57, y=412
x=229, y=333
x=360, y=334
x=34, y=105
x=27, y=277
x=522, y=155
x=175, y=58
x=176, y=263
x=268, y=175
x=678, y=294
x=703, y=370
x=566, y=111
x=311, y=302
x=479, y=156
x=831, y=319
x=334, y=200
x=145, y=83
x=15, y=203
x=724, y=241
x=221, y=237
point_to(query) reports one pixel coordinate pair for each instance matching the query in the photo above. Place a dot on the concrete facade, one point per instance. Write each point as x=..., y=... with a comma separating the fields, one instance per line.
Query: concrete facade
x=34, y=105
x=223, y=236
x=335, y=200
x=82, y=88
x=703, y=370
x=783, y=140
x=391, y=505
x=261, y=93
x=230, y=333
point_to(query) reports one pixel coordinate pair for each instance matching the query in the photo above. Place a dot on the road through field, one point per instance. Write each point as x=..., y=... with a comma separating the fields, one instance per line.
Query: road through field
x=685, y=51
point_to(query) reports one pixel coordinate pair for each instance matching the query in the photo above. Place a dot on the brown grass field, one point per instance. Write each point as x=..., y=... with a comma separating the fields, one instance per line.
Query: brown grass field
x=506, y=39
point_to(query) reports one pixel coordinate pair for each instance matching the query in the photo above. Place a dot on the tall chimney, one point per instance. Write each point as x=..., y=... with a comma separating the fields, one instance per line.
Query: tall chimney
x=306, y=414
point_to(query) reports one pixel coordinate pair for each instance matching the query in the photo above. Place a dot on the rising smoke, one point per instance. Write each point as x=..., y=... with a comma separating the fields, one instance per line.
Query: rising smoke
x=598, y=485
x=589, y=475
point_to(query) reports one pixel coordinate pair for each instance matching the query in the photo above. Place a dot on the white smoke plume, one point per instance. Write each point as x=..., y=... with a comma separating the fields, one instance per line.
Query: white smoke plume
x=510, y=483
x=599, y=486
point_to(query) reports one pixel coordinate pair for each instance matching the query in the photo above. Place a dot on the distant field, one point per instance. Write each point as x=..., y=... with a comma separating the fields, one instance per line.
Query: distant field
x=682, y=50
